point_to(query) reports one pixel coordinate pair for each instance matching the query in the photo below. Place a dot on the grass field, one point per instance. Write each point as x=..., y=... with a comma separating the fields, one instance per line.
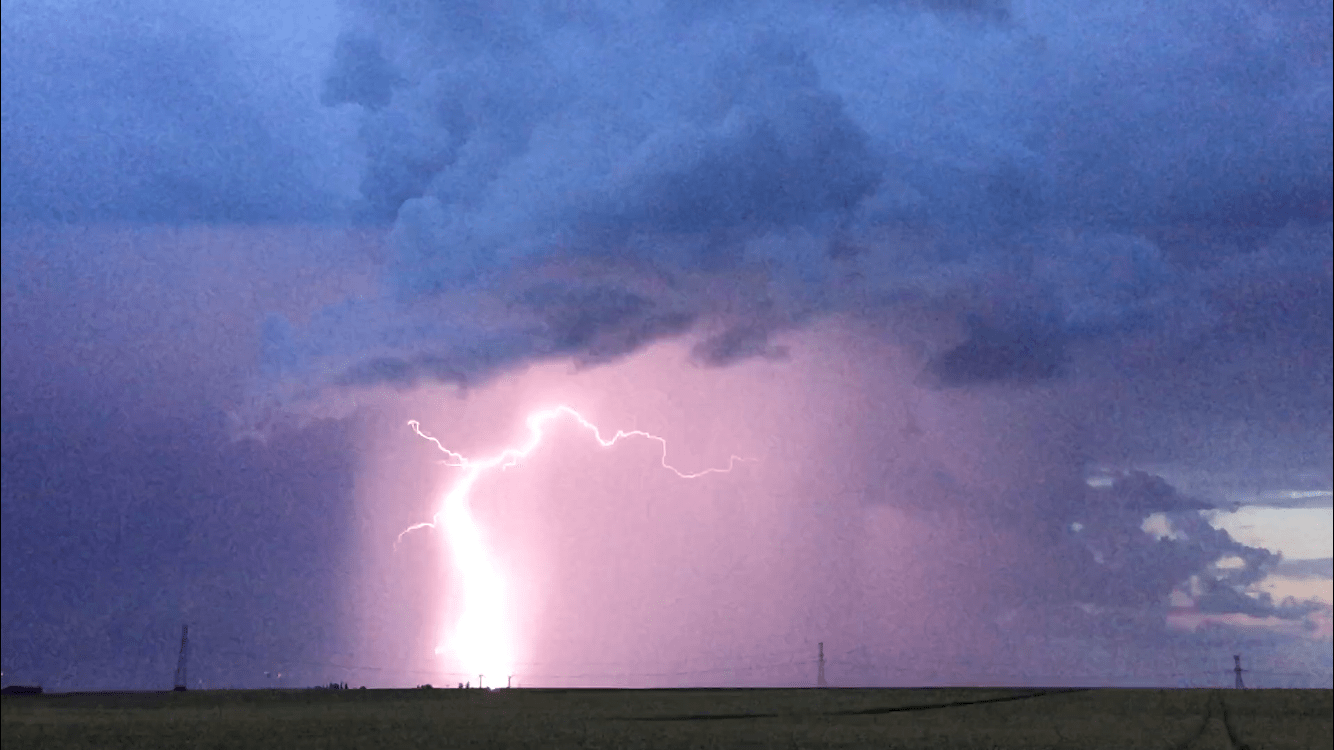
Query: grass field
x=532, y=718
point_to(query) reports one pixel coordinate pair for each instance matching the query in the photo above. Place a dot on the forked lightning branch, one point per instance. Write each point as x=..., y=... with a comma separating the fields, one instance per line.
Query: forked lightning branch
x=481, y=639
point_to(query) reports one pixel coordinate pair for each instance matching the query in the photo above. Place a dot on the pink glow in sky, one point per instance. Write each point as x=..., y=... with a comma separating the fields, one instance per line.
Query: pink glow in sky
x=615, y=563
x=481, y=639
x=923, y=534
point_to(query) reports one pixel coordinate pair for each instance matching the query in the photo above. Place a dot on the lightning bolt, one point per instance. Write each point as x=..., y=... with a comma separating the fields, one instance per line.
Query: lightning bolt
x=481, y=637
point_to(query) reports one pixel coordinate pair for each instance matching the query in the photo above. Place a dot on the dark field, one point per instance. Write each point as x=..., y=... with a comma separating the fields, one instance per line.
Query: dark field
x=533, y=718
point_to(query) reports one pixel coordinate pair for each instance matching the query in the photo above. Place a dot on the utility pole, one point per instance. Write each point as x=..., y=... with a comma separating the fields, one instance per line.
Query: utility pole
x=479, y=682
x=509, y=682
x=819, y=680
x=180, y=661
x=1236, y=659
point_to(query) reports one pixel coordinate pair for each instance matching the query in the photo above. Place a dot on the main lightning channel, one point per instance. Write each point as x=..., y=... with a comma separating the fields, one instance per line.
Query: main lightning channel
x=482, y=640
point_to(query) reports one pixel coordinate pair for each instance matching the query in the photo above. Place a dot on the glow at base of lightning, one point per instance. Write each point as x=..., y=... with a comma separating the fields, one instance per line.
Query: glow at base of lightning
x=482, y=639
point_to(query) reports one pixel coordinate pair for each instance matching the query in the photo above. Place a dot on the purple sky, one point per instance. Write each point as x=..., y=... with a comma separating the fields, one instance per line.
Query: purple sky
x=1023, y=315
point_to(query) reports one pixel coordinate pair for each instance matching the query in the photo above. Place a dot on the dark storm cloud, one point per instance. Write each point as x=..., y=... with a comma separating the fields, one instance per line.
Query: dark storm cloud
x=787, y=149
x=792, y=154
x=591, y=326
x=1323, y=568
x=600, y=323
x=735, y=344
x=1220, y=598
x=1023, y=197
x=359, y=74
x=1018, y=354
x=1107, y=559
x=145, y=112
x=1144, y=493
x=1123, y=197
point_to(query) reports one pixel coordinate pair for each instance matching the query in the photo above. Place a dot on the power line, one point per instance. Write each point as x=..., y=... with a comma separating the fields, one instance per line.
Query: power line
x=623, y=671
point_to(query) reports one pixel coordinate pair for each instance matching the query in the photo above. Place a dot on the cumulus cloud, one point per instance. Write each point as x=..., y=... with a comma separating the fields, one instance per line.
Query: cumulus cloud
x=1094, y=233
x=757, y=164
x=1011, y=193
x=1144, y=493
x=1113, y=558
x=1322, y=568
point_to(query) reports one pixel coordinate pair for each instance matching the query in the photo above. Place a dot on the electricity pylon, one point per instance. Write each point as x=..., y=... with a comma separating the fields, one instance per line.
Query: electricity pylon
x=819, y=680
x=180, y=661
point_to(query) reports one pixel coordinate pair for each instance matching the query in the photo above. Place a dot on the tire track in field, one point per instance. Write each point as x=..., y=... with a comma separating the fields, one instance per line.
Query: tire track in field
x=1204, y=724
x=1237, y=744
x=866, y=711
x=1214, y=708
x=955, y=704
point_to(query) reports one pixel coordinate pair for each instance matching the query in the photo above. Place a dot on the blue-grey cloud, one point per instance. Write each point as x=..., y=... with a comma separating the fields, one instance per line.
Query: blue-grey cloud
x=1048, y=144
x=1219, y=598
x=792, y=146
x=1107, y=559
x=1143, y=493
x=1322, y=568
x=152, y=112
x=1012, y=192
x=1016, y=353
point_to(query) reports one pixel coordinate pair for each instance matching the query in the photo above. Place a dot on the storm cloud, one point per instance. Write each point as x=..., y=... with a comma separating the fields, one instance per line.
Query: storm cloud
x=1009, y=301
x=1013, y=195
x=1020, y=168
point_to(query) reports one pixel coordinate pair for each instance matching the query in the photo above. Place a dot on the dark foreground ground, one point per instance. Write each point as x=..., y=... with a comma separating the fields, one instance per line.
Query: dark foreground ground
x=530, y=718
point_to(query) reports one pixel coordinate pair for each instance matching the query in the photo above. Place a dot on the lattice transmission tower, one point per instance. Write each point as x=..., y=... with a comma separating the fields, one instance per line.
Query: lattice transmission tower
x=819, y=679
x=180, y=661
